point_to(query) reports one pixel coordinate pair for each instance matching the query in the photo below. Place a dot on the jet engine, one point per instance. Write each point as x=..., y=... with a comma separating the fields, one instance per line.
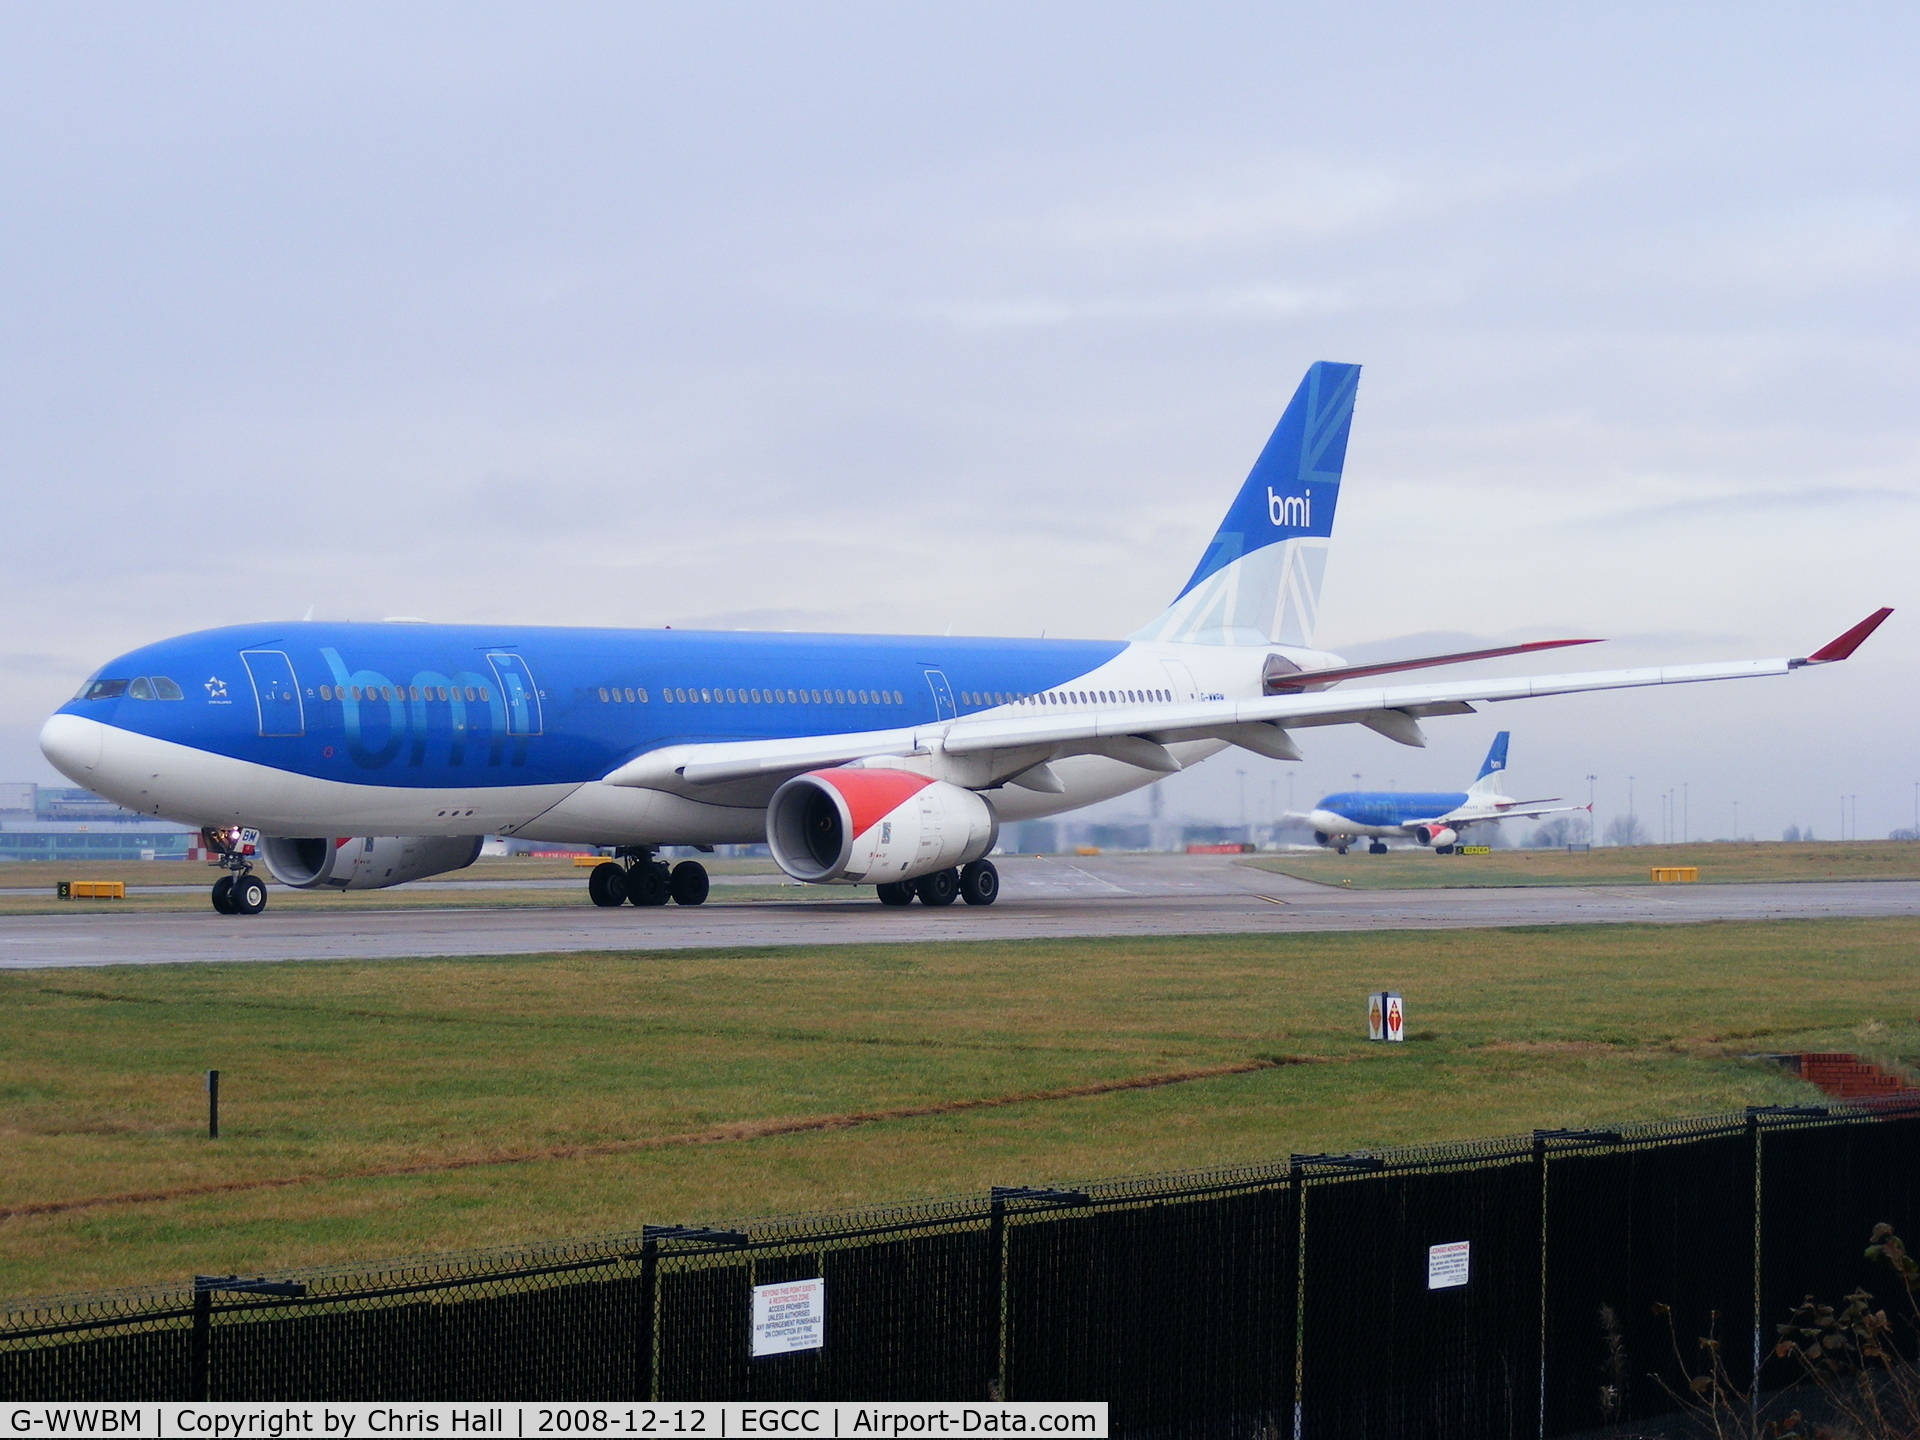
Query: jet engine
x=1438, y=836
x=366, y=862
x=866, y=827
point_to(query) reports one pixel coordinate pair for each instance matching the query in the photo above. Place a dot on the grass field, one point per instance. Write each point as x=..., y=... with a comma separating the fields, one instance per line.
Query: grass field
x=380, y=1108
x=1722, y=862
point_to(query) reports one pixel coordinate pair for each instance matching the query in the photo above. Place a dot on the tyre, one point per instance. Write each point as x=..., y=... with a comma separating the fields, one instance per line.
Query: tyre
x=647, y=884
x=248, y=896
x=607, y=885
x=895, y=892
x=980, y=883
x=942, y=887
x=223, y=894
x=1377, y=848
x=1443, y=849
x=689, y=883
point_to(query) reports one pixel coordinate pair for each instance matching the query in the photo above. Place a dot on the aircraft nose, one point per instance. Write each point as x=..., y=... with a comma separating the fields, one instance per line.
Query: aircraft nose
x=73, y=746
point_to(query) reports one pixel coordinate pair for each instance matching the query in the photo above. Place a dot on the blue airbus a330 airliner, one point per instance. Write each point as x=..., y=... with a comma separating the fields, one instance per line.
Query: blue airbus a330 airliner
x=1431, y=817
x=364, y=755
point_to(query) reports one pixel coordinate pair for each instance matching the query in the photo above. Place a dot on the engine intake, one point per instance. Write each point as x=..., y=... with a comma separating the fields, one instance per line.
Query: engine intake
x=366, y=862
x=863, y=827
x=1436, y=835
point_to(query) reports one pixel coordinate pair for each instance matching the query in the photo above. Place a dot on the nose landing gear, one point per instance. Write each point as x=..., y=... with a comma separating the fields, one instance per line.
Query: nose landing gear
x=642, y=880
x=242, y=892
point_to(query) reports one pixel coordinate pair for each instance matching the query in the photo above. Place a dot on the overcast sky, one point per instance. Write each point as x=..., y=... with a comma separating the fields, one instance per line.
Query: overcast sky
x=906, y=317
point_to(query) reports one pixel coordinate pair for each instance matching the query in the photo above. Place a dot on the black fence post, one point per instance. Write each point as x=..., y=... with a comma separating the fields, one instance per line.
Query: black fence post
x=213, y=1104
x=649, y=1309
x=996, y=1296
x=200, y=1344
x=1540, y=1174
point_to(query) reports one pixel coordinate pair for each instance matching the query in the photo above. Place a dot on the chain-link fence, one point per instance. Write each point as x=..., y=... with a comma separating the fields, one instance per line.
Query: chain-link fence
x=1538, y=1285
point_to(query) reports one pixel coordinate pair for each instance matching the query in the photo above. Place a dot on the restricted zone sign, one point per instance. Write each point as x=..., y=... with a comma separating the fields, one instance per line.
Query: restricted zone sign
x=789, y=1317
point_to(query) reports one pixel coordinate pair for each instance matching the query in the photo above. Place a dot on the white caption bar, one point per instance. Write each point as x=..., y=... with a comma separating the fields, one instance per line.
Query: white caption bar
x=449, y=1420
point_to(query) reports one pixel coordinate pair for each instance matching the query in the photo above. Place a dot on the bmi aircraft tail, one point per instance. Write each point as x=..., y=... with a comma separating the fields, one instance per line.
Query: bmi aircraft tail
x=1259, y=581
x=1487, y=782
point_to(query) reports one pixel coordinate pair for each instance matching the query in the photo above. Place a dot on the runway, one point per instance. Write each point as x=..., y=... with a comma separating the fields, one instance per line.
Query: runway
x=1059, y=896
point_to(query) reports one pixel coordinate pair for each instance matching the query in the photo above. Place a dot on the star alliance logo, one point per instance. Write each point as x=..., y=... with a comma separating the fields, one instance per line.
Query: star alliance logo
x=217, y=691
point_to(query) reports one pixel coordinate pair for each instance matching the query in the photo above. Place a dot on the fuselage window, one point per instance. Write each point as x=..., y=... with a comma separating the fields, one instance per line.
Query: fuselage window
x=642, y=694
x=730, y=699
x=754, y=695
x=839, y=697
x=356, y=692
x=630, y=697
x=326, y=692
x=441, y=692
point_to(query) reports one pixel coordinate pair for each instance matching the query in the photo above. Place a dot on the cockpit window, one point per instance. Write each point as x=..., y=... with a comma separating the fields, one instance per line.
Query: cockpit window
x=102, y=690
x=140, y=689
x=165, y=689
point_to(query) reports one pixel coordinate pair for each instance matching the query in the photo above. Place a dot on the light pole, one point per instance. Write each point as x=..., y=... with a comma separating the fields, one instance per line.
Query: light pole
x=1593, y=824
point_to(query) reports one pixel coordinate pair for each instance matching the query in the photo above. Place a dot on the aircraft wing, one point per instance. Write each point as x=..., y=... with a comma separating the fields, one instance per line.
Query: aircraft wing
x=1523, y=810
x=1013, y=740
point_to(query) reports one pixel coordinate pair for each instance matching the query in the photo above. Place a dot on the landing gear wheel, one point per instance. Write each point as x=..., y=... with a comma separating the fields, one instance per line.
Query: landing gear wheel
x=607, y=885
x=979, y=883
x=895, y=892
x=223, y=895
x=1379, y=847
x=1340, y=849
x=1443, y=849
x=248, y=895
x=689, y=883
x=942, y=887
x=647, y=884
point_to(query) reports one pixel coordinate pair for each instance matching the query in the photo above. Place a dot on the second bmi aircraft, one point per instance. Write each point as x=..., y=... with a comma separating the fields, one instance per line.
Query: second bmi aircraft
x=366, y=755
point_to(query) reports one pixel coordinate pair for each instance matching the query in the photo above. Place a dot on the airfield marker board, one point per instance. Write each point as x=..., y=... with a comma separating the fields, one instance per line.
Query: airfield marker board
x=1386, y=1017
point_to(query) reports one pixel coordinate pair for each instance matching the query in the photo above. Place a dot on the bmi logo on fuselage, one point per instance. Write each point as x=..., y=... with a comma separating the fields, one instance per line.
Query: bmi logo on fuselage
x=1291, y=510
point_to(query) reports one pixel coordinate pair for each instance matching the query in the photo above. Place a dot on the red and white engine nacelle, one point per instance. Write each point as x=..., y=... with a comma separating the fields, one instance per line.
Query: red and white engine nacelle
x=867, y=827
x=366, y=862
x=1436, y=835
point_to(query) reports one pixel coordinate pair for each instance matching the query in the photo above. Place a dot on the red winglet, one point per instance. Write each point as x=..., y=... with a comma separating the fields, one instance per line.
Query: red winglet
x=1846, y=644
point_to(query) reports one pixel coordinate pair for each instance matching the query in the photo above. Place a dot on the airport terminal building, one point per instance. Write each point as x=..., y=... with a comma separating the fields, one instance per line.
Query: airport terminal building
x=44, y=822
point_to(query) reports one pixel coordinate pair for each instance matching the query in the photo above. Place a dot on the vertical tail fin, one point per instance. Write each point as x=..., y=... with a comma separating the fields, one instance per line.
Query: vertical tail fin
x=1492, y=767
x=1259, y=581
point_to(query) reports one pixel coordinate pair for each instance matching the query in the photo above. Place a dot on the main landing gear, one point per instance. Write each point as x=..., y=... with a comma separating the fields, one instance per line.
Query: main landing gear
x=241, y=892
x=634, y=877
x=977, y=884
x=1378, y=847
